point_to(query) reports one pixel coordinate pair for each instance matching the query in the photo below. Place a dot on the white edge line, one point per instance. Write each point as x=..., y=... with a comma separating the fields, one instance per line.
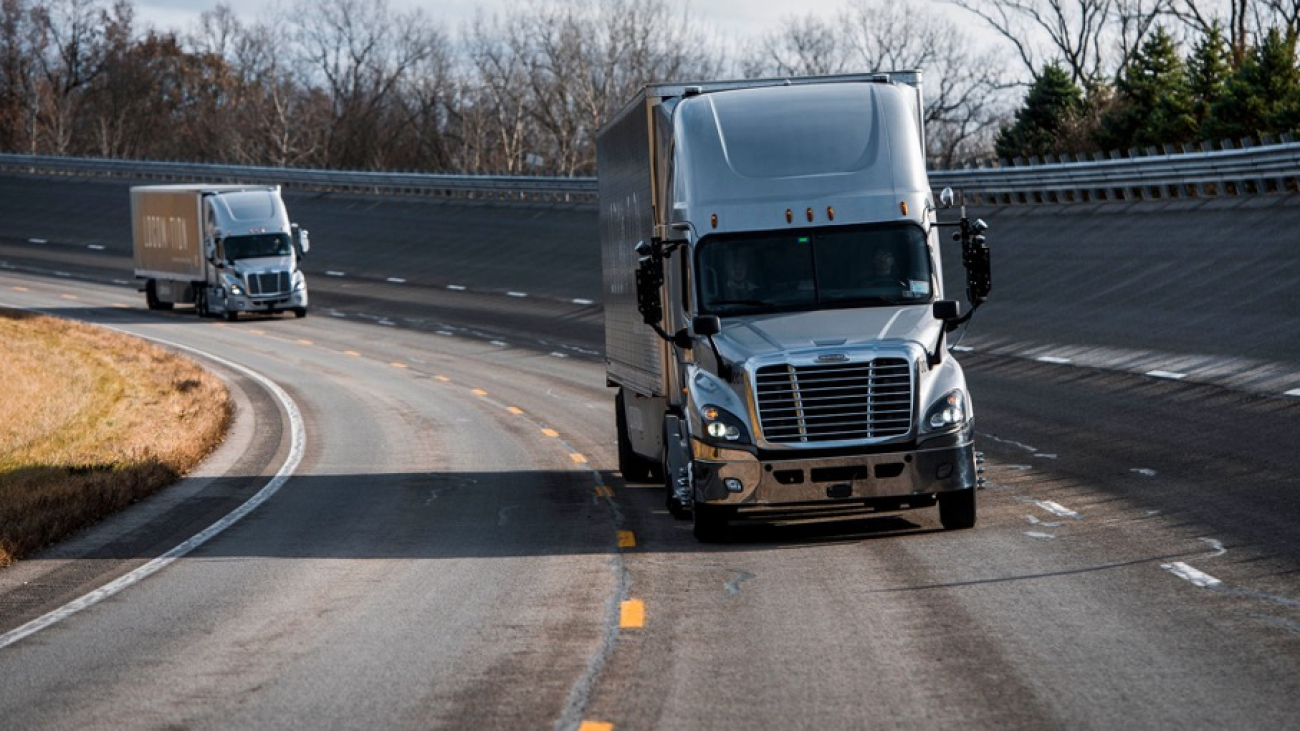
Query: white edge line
x=1187, y=573
x=297, y=443
x=1167, y=374
x=1292, y=392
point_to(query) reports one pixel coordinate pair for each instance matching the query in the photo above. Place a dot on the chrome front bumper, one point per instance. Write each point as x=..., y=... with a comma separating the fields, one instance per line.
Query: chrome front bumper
x=734, y=477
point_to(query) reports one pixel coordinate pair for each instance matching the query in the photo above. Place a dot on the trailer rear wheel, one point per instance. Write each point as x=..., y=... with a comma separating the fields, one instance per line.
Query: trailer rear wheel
x=957, y=509
x=634, y=467
x=151, y=297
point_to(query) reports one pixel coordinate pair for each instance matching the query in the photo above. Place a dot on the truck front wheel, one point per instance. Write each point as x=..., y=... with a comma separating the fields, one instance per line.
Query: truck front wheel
x=957, y=509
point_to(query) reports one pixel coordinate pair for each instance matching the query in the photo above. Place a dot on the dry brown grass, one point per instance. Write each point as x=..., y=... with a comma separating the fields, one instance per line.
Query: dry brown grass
x=91, y=421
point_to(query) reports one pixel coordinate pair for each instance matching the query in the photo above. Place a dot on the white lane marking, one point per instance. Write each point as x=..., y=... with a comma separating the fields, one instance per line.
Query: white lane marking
x=456, y=287
x=336, y=274
x=516, y=294
x=1044, y=455
x=1215, y=545
x=1039, y=535
x=1292, y=392
x=397, y=280
x=1052, y=359
x=1187, y=573
x=297, y=444
x=963, y=349
x=498, y=343
x=1144, y=471
x=583, y=302
x=1056, y=509
x=95, y=247
x=1009, y=442
x=559, y=355
x=36, y=241
x=1035, y=521
x=1170, y=375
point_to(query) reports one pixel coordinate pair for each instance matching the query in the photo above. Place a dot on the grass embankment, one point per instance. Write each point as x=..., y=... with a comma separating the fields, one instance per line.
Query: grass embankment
x=91, y=421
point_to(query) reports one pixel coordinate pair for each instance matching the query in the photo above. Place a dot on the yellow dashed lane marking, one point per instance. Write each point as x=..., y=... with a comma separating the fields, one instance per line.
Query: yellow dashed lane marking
x=480, y=392
x=121, y=306
x=444, y=379
x=596, y=726
x=578, y=458
x=399, y=365
x=604, y=491
x=632, y=614
x=550, y=432
x=514, y=409
x=68, y=296
x=305, y=342
x=352, y=353
x=626, y=539
x=21, y=289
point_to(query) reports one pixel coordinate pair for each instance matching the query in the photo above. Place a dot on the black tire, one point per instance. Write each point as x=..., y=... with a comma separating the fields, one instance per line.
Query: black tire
x=231, y=315
x=710, y=522
x=957, y=509
x=201, y=303
x=634, y=467
x=300, y=312
x=151, y=297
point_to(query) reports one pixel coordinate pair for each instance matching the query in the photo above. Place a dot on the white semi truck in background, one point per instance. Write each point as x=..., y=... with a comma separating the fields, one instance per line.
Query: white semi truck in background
x=226, y=249
x=775, y=314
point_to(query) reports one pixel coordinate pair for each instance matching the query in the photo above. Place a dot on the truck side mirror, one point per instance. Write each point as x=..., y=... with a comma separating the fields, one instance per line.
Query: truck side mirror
x=304, y=243
x=979, y=273
x=947, y=310
x=649, y=283
x=707, y=325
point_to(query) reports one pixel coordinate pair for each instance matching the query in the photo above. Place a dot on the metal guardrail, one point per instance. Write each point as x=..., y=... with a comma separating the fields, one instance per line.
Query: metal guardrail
x=480, y=187
x=1247, y=170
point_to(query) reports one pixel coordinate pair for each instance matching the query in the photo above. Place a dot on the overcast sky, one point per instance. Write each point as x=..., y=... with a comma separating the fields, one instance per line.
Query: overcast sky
x=736, y=19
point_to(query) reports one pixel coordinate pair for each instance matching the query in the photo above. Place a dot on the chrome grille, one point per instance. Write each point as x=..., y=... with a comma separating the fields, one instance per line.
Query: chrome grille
x=835, y=402
x=268, y=283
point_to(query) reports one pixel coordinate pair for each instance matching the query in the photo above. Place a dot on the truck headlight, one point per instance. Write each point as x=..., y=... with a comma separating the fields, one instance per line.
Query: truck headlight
x=948, y=412
x=299, y=282
x=721, y=425
x=233, y=285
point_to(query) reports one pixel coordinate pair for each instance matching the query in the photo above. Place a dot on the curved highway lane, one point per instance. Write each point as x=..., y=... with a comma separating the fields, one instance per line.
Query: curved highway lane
x=455, y=547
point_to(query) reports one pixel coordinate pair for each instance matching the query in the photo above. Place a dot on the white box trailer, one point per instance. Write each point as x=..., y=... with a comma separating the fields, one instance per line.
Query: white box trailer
x=761, y=359
x=226, y=249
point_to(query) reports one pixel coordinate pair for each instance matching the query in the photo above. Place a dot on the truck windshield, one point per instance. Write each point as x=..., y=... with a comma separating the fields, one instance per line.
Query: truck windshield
x=257, y=245
x=854, y=266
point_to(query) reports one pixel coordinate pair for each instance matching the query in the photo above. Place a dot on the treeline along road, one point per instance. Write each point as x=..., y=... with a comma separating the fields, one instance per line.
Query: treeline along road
x=455, y=546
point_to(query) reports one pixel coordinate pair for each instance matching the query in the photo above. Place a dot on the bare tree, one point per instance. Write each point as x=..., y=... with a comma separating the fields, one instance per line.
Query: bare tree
x=804, y=46
x=1089, y=38
x=361, y=52
x=71, y=55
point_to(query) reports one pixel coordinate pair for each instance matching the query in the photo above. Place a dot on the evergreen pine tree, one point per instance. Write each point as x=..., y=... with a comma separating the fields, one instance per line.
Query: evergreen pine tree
x=1154, y=104
x=1053, y=99
x=1208, y=69
x=1262, y=96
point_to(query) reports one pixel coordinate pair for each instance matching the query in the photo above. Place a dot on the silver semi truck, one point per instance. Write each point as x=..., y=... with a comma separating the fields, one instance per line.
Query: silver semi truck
x=226, y=249
x=775, y=313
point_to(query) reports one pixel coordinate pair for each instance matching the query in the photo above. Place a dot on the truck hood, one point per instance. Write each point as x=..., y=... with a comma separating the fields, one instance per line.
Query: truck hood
x=743, y=338
x=262, y=265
